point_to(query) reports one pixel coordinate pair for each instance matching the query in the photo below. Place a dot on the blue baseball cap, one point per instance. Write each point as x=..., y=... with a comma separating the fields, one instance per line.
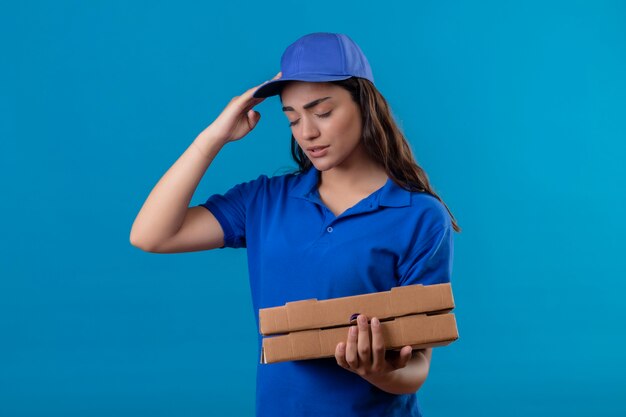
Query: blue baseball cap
x=319, y=57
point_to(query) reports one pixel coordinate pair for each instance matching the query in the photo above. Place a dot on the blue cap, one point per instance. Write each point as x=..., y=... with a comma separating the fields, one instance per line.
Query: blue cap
x=319, y=57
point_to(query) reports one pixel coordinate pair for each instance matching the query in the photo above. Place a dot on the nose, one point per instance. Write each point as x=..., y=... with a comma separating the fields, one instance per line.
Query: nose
x=308, y=128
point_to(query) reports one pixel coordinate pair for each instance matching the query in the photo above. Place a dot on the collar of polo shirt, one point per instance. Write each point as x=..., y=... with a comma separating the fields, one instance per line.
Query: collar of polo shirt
x=391, y=195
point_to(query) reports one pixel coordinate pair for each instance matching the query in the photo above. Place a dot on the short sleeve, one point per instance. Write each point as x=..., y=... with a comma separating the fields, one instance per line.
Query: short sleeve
x=231, y=209
x=431, y=263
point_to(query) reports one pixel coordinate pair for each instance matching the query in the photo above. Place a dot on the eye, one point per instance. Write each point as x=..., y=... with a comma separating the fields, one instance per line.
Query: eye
x=325, y=114
x=318, y=115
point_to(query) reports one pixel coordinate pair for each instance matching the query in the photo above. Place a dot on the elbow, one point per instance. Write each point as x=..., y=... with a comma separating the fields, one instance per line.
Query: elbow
x=134, y=239
x=144, y=247
x=137, y=242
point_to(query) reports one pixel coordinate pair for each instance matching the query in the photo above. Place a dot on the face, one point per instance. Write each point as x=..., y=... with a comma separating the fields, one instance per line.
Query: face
x=323, y=115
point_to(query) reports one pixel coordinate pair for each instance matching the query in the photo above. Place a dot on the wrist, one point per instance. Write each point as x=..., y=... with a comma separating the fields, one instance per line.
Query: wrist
x=406, y=380
x=382, y=380
x=208, y=144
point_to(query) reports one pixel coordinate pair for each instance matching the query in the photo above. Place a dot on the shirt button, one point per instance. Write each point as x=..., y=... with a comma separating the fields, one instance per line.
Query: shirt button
x=329, y=229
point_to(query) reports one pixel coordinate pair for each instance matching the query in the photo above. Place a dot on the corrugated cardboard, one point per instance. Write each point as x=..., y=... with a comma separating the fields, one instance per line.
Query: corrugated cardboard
x=415, y=315
x=420, y=331
x=314, y=314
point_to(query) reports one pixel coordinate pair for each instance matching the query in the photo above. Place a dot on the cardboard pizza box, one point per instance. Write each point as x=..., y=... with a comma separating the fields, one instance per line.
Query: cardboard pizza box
x=418, y=330
x=397, y=302
x=416, y=315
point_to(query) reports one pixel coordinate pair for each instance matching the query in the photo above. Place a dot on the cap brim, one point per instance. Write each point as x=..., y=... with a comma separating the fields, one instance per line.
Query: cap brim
x=272, y=88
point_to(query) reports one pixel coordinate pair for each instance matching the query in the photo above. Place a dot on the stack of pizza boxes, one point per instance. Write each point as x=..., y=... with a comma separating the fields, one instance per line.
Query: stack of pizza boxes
x=417, y=315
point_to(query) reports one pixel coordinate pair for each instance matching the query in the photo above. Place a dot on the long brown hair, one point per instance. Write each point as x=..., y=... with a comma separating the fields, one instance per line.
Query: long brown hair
x=383, y=141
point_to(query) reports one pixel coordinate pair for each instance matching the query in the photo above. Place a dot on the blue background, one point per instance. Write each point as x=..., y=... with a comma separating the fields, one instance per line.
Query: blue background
x=515, y=111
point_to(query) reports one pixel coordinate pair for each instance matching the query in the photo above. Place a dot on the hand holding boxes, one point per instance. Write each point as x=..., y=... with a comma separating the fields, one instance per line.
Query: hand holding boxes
x=416, y=315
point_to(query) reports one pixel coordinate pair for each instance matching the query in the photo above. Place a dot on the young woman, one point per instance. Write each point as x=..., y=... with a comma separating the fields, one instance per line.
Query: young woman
x=358, y=216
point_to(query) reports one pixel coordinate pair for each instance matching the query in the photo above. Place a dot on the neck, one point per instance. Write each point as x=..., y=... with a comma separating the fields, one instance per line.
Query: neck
x=364, y=176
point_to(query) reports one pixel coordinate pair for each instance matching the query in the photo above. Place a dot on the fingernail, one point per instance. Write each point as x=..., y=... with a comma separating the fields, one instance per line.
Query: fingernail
x=375, y=322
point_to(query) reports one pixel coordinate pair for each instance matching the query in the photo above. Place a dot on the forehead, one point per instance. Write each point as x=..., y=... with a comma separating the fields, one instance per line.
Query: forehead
x=296, y=94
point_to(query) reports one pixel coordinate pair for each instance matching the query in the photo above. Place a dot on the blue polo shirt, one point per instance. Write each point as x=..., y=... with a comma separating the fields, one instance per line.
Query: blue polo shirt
x=298, y=249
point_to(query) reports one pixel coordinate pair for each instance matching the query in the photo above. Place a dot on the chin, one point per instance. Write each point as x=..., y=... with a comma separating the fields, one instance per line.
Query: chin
x=322, y=166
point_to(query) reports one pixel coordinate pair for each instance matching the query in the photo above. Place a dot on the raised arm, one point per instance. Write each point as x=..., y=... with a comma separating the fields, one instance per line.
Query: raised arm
x=165, y=222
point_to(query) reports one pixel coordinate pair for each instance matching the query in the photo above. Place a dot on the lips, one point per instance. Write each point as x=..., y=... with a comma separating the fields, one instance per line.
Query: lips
x=316, y=148
x=317, y=151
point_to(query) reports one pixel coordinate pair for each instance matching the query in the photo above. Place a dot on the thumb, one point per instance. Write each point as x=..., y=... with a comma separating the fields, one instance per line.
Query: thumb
x=253, y=118
x=402, y=357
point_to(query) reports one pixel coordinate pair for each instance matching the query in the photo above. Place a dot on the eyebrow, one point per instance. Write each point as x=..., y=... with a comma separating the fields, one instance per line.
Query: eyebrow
x=308, y=105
